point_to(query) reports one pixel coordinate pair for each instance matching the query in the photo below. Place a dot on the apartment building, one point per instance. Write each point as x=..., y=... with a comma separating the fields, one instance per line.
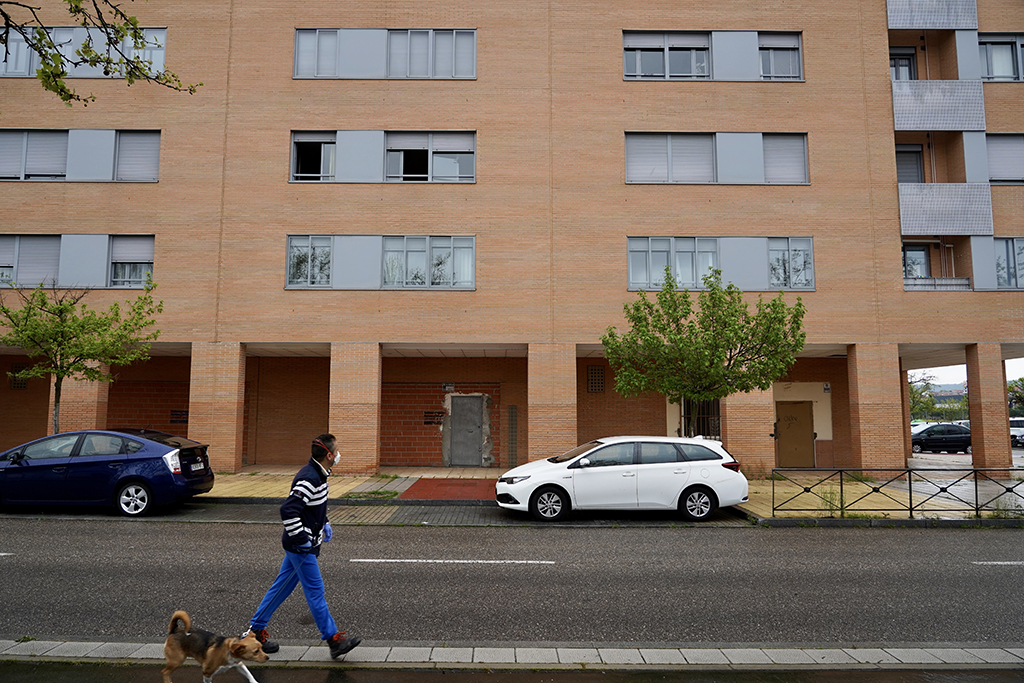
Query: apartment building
x=409, y=223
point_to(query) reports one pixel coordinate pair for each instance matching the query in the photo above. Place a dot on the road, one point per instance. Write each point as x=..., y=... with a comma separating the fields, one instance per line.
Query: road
x=113, y=579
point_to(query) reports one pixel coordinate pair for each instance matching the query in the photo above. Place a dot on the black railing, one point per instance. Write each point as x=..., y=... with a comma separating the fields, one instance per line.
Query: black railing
x=847, y=492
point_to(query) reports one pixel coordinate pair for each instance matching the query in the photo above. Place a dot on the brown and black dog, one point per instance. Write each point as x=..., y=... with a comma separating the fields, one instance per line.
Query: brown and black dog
x=214, y=653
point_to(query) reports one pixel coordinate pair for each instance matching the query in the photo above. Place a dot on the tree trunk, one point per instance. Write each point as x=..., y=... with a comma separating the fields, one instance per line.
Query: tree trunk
x=56, y=403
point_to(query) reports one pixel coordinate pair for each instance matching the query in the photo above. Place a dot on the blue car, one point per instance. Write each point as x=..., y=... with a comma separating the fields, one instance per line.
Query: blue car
x=134, y=470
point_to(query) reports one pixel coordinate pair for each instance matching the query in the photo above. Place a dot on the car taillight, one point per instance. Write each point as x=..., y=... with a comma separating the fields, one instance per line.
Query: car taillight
x=173, y=462
x=734, y=466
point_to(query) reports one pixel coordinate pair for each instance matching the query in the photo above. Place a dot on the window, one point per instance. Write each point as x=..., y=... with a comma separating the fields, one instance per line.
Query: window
x=21, y=61
x=916, y=261
x=1005, y=158
x=309, y=260
x=382, y=53
x=690, y=258
x=429, y=262
x=644, y=55
x=138, y=155
x=313, y=156
x=1000, y=56
x=716, y=158
x=610, y=456
x=790, y=262
x=655, y=453
x=780, y=56
x=29, y=260
x=1010, y=263
x=80, y=155
x=436, y=157
x=33, y=155
x=909, y=164
x=131, y=260
x=902, y=63
x=55, y=447
x=101, y=444
x=695, y=452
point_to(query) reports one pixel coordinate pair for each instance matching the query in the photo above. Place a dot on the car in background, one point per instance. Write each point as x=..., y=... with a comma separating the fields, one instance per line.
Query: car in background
x=694, y=475
x=133, y=470
x=942, y=437
x=1017, y=432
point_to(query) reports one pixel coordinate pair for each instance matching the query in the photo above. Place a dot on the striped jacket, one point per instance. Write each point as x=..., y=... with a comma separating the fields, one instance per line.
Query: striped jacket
x=304, y=512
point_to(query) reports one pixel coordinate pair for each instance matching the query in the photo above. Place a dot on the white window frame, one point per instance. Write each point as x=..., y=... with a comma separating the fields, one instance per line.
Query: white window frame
x=328, y=155
x=10, y=255
x=770, y=46
x=137, y=258
x=28, y=62
x=1016, y=44
x=311, y=244
x=674, y=141
x=460, y=144
x=21, y=167
x=783, y=253
x=432, y=36
x=435, y=262
x=635, y=43
x=128, y=165
x=1012, y=274
x=700, y=254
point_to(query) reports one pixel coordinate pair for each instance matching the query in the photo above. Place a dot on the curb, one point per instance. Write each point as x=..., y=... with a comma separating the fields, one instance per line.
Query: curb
x=254, y=500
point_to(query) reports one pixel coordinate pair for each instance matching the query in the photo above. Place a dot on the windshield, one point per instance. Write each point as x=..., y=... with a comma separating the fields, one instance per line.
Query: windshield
x=579, y=450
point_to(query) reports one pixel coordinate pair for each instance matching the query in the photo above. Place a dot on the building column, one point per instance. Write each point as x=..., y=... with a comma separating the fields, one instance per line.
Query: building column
x=354, y=411
x=216, y=400
x=908, y=446
x=551, y=398
x=986, y=398
x=748, y=422
x=876, y=406
x=83, y=404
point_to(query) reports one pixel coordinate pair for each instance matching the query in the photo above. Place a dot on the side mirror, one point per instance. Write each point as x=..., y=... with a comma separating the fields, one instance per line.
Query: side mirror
x=16, y=457
x=584, y=462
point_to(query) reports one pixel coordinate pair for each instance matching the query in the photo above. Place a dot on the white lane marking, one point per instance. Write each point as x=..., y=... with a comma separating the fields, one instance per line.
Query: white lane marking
x=6, y=554
x=1001, y=563
x=455, y=561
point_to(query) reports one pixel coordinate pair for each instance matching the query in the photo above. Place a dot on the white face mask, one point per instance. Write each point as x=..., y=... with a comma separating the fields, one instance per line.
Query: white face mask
x=337, y=458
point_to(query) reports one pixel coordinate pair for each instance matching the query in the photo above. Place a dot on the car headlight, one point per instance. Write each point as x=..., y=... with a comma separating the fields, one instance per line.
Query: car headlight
x=513, y=480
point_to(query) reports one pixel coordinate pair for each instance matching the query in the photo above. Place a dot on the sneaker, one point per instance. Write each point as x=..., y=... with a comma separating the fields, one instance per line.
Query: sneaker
x=339, y=644
x=269, y=646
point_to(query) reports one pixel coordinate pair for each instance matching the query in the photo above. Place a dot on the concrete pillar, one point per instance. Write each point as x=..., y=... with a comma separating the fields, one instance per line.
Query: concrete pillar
x=551, y=395
x=876, y=406
x=83, y=404
x=986, y=397
x=908, y=450
x=748, y=421
x=354, y=410
x=216, y=400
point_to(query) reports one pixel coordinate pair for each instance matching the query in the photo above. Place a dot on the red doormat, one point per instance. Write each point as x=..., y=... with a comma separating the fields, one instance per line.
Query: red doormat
x=450, y=489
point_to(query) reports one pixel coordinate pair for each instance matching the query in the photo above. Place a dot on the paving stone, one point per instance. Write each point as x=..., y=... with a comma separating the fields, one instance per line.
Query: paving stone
x=451, y=654
x=704, y=656
x=493, y=655
x=149, y=651
x=77, y=650
x=870, y=655
x=578, y=655
x=788, y=656
x=995, y=655
x=830, y=656
x=33, y=647
x=1016, y=652
x=367, y=654
x=5, y=645
x=913, y=655
x=617, y=655
x=954, y=655
x=409, y=654
x=662, y=656
x=536, y=655
x=747, y=655
x=317, y=654
x=115, y=650
x=289, y=653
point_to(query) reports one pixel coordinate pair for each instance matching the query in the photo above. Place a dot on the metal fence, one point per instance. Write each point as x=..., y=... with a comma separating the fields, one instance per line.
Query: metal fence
x=846, y=492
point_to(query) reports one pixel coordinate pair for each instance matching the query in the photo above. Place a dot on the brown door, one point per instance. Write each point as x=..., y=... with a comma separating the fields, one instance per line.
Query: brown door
x=794, y=433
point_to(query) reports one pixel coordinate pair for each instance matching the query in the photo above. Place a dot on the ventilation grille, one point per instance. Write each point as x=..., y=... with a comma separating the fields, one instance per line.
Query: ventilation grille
x=595, y=379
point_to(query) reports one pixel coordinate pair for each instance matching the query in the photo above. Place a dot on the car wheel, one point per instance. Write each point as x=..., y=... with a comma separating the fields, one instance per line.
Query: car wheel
x=698, y=503
x=549, y=504
x=968, y=451
x=134, y=499
x=916, y=448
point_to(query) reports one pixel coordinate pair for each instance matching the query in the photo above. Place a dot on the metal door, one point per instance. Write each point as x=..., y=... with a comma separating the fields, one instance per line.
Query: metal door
x=794, y=433
x=467, y=431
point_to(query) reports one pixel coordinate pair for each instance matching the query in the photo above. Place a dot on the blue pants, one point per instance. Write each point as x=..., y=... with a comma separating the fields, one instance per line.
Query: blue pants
x=297, y=569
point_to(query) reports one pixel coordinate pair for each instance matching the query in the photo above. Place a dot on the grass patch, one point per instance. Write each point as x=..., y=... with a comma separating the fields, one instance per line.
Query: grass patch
x=376, y=495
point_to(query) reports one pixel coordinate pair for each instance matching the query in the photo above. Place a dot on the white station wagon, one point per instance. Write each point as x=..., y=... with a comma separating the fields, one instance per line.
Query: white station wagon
x=695, y=476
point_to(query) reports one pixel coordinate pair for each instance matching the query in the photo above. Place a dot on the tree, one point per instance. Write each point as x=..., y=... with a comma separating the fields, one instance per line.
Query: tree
x=707, y=352
x=922, y=402
x=113, y=44
x=72, y=339
x=1015, y=392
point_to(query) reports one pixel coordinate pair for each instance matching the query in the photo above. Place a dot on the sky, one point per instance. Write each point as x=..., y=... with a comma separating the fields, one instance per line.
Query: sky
x=957, y=374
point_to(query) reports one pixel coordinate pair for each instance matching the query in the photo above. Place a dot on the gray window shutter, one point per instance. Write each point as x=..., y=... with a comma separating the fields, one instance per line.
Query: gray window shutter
x=407, y=140
x=7, y=251
x=305, y=53
x=453, y=142
x=327, y=53
x=138, y=155
x=47, y=154
x=646, y=158
x=1005, y=157
x=640, y=40
x=131, y=248
x=693, y=158
x=787, y=40
x=11, y=147
x=38, y=260
x=689, y=40
x=908, y=164
x=785, y=158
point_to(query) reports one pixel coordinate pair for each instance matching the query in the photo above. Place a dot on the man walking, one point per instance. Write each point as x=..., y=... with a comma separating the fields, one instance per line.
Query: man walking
x=304, y=515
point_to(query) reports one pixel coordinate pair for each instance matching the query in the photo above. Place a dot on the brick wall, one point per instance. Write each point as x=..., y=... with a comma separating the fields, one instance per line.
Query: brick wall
x=25, y=412
x=608, y=413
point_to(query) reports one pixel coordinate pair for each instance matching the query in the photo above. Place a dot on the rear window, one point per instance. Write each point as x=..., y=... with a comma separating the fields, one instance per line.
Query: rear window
x=1017, y=423
x=694, y=452
x=161, y=437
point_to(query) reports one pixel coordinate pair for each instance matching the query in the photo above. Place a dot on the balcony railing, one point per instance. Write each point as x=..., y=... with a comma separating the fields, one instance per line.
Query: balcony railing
x=937, y=284
x=935, y=14
x=938, y=105
x=945, y=209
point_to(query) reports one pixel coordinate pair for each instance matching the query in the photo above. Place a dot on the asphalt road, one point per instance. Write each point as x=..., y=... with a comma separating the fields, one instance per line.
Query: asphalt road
x=121, y=580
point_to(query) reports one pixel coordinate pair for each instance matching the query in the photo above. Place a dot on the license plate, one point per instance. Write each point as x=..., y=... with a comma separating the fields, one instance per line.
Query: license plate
x=198, y=466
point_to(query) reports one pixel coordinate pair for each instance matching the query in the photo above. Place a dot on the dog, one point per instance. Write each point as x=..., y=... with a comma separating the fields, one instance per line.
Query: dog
x=214, y=653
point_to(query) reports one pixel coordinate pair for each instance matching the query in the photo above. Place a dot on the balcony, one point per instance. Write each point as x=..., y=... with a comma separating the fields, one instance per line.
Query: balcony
x=945, y=209
x=933, y=14
x=938, y=105
x=937, y=284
